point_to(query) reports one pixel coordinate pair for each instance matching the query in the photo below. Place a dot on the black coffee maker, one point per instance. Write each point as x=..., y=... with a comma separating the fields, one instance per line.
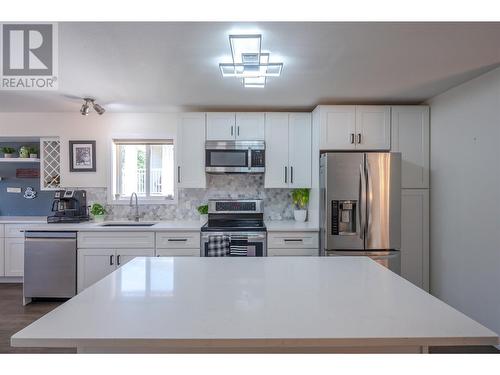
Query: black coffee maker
x=69, y=206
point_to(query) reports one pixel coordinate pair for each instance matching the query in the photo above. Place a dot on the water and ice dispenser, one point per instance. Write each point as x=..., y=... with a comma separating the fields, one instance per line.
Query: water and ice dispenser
x=344, y=218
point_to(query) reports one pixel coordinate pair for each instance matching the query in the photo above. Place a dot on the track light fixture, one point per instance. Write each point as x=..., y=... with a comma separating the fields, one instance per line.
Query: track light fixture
x=89, y=102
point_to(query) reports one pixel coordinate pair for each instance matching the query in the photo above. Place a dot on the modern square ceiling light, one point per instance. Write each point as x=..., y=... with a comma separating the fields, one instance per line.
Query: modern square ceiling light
x=250, y=64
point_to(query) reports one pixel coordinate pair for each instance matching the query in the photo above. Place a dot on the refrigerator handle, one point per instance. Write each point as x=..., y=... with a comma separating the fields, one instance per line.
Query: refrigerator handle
x=361, y=201
x=369, y=196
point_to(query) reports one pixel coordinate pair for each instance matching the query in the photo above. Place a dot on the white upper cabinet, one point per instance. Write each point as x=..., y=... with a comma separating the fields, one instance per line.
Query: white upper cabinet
x=299, y=150
x=288, y=150
x=190, y=172
x=229, y=126
x=276, y=150
x=250, y=126
x=373, y=127
x=410, y=136
x=338, y=127
x=221, y=126
x=349, y=127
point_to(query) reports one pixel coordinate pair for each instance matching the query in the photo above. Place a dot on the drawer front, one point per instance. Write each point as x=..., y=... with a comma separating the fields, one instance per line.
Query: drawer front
x=292, y=240
x=16, y=230
x=2, y=230
x=116, y=240
x=292, y=252
x=178, y=252
x=178, y=240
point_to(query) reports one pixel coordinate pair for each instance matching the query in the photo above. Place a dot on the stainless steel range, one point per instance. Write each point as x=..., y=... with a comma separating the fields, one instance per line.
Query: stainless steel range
x=234, y=228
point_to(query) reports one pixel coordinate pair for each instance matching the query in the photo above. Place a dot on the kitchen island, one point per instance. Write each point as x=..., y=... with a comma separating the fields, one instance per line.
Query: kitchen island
x=280, y=304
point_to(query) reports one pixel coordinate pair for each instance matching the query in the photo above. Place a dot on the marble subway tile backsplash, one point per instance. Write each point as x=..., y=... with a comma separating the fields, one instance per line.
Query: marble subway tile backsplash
x=277, y=202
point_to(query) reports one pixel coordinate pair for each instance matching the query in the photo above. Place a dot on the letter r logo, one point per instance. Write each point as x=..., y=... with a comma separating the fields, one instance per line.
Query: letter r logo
x=27, y=50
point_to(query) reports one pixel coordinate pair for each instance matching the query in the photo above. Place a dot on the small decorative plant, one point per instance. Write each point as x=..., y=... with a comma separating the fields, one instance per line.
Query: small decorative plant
x=98, y=211
x=300, y=198
x=7, y=151
x=203, y=211
x=24, y=152
x=33, y=152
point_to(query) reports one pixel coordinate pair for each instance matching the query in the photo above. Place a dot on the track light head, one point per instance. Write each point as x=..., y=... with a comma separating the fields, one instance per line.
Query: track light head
x=90, y=102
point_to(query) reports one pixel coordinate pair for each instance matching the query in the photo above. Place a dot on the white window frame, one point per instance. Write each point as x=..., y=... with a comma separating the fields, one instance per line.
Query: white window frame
x=113, y=177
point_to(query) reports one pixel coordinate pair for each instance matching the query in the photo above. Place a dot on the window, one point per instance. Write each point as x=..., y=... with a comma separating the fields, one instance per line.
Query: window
x=145, y=167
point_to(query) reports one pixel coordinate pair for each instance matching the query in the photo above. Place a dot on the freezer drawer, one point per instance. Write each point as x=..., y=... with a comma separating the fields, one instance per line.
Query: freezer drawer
x=50, y=264
x=390, y=259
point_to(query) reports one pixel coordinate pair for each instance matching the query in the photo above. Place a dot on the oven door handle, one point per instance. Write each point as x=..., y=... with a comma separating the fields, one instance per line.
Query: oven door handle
x=249, y=158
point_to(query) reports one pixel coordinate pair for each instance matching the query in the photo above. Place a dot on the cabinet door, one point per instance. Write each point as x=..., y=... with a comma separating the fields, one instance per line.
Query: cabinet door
x=14, y=257
x=373, y=127
x=250, y=126
x=299, y=150
x=277, y=171
x=415, y=236
x=410, y=136
x=191, y=151
x=221, y=126
x=2, y=256
x=337, y=127
x=123, y=256
x=93, y=265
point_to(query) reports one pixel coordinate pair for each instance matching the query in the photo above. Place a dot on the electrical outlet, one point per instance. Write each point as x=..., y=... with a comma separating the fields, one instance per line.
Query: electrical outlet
x=13, y=190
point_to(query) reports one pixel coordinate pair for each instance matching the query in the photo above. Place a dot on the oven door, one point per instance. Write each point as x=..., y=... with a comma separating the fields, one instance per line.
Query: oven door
x=242, y=244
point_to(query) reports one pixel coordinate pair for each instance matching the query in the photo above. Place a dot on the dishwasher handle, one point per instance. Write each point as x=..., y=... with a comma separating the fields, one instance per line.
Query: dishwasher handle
x=48, y=234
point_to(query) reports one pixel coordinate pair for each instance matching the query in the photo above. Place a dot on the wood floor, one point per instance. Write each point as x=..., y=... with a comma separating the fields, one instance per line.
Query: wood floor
x=14, y=317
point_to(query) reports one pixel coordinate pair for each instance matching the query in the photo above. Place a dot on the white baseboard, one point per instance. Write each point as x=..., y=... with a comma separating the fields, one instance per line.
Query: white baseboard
x=11, y=279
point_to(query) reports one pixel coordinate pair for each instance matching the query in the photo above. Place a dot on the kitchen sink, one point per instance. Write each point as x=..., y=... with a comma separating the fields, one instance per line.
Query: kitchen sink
x=127, y=224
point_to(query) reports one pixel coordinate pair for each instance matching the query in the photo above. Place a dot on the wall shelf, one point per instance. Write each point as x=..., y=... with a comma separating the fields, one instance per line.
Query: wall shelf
x=19, y=160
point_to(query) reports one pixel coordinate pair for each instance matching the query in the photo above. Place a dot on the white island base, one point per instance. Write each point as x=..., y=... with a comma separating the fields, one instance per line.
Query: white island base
x=254, y=305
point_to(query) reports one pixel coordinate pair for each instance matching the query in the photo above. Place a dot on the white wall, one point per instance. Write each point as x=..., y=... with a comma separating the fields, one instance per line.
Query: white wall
x=73, y=126
x=465, y=198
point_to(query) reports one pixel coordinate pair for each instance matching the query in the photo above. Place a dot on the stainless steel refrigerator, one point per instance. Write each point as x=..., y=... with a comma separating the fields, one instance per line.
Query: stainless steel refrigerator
x=360, y=210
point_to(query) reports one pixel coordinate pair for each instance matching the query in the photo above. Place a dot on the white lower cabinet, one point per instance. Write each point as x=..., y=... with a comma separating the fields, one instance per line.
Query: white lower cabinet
x=415, y=237
x=292, y=244
x=170, y=244
x=95, y=264
x=14, y=257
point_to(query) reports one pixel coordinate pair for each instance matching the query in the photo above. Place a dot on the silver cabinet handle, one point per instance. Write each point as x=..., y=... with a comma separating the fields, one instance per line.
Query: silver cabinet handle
x=293, y=240
x=231, y=130
x=352, y=138
x=238, y=131
x=111, y=260
x=118, y=259
x=359, y=138
x=291, y=175
x=177, y=239
x=179, y=174
x=285, y=174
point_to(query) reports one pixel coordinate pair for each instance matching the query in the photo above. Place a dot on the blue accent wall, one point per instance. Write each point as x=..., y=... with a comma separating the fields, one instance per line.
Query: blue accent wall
x=14, y=204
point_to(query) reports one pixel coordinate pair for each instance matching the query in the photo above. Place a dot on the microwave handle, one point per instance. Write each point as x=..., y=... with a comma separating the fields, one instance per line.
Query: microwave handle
x=249, y=158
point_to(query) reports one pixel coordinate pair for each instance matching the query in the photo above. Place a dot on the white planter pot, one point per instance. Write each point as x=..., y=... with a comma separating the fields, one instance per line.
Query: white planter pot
x=33, y=156
x=203, y=219
x=99, y=218
x=7, y=156
x=300, y=215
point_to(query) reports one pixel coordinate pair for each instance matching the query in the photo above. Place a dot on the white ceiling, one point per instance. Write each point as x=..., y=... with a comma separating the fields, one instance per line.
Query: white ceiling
x=156, y=67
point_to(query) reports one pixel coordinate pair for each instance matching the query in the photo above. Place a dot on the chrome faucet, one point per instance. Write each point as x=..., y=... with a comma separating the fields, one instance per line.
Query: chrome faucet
x=136, y=216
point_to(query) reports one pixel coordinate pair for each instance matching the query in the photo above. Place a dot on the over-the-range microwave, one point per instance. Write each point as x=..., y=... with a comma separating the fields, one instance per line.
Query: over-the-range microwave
x=235, y=156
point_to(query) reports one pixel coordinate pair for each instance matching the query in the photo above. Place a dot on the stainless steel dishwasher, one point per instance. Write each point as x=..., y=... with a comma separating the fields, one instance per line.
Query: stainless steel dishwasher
x=49, y=264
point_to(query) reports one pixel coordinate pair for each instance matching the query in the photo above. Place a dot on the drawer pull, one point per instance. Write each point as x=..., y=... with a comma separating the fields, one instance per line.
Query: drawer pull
x=293, y=240
x=177, y=239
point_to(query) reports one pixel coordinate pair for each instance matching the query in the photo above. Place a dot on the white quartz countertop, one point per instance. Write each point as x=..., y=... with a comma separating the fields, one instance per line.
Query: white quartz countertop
x=22, y=219
x=285, y=302
x=173, y=225
x=290, y=226
x=170, y=225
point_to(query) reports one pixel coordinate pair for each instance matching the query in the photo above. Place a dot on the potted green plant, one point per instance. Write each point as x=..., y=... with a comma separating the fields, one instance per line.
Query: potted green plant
x=33, y=152
x=300, y=199
x=98, y=211
x=203, y=211
x=8, y=151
